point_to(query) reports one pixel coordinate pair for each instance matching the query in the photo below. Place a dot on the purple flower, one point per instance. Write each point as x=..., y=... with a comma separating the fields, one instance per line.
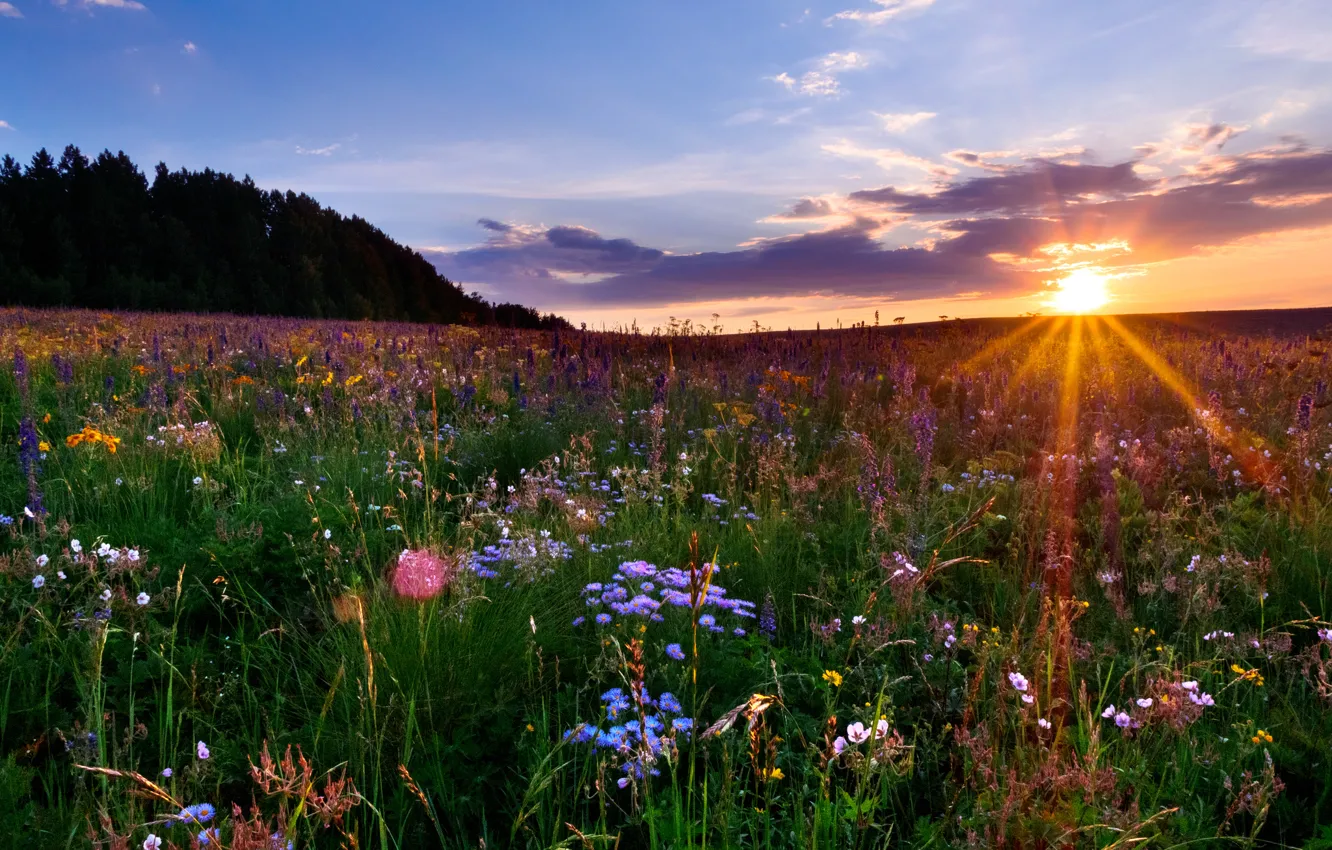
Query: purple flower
x=674, y=651
x=202, y=750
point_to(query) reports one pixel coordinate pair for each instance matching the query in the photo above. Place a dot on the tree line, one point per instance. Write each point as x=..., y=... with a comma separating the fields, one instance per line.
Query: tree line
x=96, y=233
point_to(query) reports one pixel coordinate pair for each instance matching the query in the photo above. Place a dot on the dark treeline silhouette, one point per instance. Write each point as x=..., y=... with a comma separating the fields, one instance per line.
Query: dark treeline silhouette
x=96, y=233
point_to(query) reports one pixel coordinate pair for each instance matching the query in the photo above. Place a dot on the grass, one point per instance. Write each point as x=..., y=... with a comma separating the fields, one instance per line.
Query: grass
x=976, y=540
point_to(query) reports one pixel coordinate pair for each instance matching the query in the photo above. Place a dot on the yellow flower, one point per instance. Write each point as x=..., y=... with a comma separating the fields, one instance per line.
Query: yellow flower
x=833, y=678
x=43, y=446
x=774, y=774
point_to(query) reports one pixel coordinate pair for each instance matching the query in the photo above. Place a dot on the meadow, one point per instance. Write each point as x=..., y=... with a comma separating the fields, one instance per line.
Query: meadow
x=1047, y=583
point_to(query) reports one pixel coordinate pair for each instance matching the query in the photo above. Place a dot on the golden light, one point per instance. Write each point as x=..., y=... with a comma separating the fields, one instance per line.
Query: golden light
x=1081, y=291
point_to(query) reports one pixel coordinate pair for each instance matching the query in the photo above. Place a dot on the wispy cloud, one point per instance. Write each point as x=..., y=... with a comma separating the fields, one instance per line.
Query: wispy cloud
x=900, y=122
x=7, y=10
x=1295, y=28
x=324, y=151
x=889, y=159
x=822, y=79
x=886, y=11
x=5, y=125
x=89, y=5
x=190, y=48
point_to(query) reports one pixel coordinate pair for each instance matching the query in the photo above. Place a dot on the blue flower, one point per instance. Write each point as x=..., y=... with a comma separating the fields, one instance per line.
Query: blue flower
x=578, y=621
x=198, y=813
x=674, y=651
x=603, y=619
x=669, y=703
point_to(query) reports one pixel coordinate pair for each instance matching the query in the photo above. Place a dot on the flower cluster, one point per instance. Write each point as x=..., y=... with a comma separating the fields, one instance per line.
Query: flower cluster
x=640, y=589
x=91, y=435
x=641, y=731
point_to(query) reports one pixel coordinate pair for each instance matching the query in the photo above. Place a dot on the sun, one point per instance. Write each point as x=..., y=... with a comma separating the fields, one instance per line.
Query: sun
x=1081, y=291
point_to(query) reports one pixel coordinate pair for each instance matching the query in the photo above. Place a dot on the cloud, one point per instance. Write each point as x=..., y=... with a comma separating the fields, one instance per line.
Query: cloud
x=1015, y=213
x=544, y=265
x=1285, y=107
x=807, y=208
x=900, y=122
x=1292, y=28
x=130, y=5
x=888, y=9
x=1203, y=136
x=822, y=79
x=1038, y=186
x=889, y=159
x=5, y=125
x=324, y=151
x=190, y=48
x=998, y=234
x=7, y=10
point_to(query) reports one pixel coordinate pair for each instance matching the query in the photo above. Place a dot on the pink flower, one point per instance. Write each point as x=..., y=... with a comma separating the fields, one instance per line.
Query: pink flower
x=420, y=574
x=856, y=733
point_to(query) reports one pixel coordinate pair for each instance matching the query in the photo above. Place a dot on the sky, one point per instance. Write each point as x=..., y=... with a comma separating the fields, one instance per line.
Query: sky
x=785, y=163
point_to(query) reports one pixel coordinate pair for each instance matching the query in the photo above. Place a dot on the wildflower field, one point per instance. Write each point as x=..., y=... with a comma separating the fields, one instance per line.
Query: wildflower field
x=1042, y=583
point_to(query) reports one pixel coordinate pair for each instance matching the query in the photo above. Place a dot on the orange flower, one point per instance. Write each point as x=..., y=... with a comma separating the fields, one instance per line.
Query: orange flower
x=90, y=434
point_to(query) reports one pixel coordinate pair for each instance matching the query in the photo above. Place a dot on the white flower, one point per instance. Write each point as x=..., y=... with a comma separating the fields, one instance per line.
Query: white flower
x=143, y=598
x=1028, y=699
x=75, y=546
x=118, y=483
x=60, y=574
x=1144, y=702
x=197, y=481
x=106, y=595
x=328, y=533
x=1043, y=723
x=38, y=582
x=152, y=842
x=43, y=560
x=1109, y=711
x=134, y=554
x=856, y=733
x=1191, y=685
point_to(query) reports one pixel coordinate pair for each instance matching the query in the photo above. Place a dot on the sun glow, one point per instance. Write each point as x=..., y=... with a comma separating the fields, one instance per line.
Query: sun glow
x=1081, y=291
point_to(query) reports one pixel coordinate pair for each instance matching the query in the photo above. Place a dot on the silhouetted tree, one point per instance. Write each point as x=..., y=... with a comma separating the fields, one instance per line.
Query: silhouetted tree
x=97, y=233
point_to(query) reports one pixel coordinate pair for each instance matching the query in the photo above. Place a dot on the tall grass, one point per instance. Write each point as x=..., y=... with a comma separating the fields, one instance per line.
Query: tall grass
x=899, y=507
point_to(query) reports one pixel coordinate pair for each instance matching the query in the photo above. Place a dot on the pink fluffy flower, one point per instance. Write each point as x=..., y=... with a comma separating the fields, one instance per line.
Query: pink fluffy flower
x=420, y=574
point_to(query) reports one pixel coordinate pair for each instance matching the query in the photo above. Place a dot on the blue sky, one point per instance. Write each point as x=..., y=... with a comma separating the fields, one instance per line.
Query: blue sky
x=645, y=160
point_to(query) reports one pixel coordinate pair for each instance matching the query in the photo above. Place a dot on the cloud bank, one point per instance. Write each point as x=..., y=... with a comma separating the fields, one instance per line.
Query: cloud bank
x=1001, y=233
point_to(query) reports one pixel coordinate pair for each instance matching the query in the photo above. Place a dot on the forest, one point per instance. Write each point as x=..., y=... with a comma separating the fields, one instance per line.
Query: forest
x=97, y=233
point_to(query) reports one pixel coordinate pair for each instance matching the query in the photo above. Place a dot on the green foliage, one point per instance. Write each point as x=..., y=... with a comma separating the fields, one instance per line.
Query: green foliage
x=236, y=582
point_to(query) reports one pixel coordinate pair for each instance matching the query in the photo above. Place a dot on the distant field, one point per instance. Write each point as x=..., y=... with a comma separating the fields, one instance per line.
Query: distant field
x=1020, y=583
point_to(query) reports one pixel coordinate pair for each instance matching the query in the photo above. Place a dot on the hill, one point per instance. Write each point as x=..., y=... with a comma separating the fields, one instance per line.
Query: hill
x=96, y=233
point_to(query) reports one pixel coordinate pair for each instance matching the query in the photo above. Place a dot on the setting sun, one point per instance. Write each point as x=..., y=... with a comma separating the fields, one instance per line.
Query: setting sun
x=1081, y=291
